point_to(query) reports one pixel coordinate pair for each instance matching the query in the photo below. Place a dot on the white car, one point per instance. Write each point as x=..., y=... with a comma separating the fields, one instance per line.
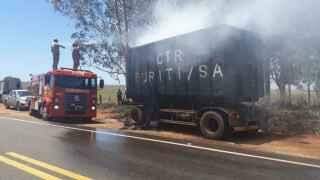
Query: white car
x=18, y=99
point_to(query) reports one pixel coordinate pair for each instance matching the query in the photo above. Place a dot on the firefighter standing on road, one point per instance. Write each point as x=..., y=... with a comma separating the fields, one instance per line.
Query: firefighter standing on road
x=76, y=55
x=55, y=49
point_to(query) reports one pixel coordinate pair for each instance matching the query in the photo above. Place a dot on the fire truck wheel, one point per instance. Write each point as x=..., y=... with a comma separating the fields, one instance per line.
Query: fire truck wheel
x=212, y=125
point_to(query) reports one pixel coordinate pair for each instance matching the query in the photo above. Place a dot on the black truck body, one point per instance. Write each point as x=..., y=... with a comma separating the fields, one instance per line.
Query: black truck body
x=218, y=69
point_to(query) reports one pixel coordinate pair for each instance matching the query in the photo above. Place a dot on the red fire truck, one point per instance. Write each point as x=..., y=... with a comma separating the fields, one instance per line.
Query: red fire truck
x=65, y=93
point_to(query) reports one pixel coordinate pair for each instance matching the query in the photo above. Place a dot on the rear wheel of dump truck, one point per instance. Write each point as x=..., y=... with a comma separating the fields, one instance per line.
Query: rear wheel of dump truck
x=136, y=115
x=213, y=125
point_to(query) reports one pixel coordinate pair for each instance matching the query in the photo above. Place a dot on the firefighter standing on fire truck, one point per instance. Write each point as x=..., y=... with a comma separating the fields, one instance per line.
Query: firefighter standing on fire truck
x=55, y=50
x=76, y=55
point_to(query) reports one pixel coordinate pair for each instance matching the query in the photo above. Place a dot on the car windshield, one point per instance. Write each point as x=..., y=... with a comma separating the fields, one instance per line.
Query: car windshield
x=23, y=93
x=75, y=82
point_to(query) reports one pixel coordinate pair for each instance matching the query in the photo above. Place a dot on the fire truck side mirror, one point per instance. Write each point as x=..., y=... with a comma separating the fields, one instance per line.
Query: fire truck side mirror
x=101, y=83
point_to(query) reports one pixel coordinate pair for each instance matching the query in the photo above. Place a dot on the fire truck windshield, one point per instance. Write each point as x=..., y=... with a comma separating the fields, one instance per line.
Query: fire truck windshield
x=75, y=82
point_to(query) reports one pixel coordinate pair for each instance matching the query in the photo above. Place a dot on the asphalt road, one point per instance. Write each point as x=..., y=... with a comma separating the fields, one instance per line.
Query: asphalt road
x=30, y=151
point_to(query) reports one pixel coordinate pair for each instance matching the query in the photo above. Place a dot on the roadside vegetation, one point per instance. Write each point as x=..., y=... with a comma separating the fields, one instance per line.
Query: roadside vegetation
x=109, y=102
x=109, y=95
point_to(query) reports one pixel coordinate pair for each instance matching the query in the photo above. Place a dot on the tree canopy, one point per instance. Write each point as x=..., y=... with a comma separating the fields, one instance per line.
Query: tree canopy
x=105, y=27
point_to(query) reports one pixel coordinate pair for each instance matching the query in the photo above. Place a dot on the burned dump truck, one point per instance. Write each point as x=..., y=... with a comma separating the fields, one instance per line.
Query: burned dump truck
x=209, y=78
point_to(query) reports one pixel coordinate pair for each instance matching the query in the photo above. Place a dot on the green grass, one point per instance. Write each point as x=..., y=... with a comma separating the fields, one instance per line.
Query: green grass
x=299, y=98
x=109, y=94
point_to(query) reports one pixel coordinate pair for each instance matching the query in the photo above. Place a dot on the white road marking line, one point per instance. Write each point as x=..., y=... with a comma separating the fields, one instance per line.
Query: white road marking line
x=173, y=143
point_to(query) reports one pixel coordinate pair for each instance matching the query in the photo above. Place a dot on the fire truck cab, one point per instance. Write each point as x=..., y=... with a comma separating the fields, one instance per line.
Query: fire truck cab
x=65, y=93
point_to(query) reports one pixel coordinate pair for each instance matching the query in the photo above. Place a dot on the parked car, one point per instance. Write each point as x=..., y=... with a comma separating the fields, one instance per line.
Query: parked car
x=8, y=84
x=18, y=99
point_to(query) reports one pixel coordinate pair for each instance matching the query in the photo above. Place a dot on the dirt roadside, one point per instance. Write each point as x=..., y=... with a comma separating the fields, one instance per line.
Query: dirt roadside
x=304, y=145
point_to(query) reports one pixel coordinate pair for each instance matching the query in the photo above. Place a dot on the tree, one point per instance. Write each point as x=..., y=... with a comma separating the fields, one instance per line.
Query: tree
x=317, y=85
x=278, y=65
x=276, y=74
x=294, y=54
x=285, y=55
x=309, y=72
x=105, y=28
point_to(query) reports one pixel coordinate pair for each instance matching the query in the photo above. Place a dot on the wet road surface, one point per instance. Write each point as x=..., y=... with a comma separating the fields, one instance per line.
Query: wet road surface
x=66, y=153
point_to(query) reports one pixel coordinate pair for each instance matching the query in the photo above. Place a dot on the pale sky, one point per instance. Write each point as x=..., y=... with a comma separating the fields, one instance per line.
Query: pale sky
x=26, y=31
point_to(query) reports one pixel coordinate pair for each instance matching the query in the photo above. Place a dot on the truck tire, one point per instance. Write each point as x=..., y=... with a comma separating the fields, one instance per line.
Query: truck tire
x=136, y=115
x=213, y=126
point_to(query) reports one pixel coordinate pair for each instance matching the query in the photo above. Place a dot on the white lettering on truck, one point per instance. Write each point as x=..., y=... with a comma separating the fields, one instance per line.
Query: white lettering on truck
x=166, y=56
x=178, y=56
x=203, y=70
x=190, y=73
x=159, y=60
x=172, y=62
x=217, y=71
x=151, y=76
x=169, y=73
x=179, y=73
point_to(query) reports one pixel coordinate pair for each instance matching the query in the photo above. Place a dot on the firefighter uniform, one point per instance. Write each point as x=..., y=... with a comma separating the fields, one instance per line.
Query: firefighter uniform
x=55, y=50
x=76, y=56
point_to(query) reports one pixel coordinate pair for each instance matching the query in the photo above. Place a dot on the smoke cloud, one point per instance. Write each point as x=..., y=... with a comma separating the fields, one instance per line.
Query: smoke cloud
x=266, y=17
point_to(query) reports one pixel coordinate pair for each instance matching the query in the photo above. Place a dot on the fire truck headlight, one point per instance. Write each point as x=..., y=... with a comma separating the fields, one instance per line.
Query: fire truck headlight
x=93, y=108
x=56, y=107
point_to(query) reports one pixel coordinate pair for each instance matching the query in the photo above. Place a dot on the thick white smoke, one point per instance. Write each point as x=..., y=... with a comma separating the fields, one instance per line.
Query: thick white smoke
x=267, y=17
x=172, y=20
